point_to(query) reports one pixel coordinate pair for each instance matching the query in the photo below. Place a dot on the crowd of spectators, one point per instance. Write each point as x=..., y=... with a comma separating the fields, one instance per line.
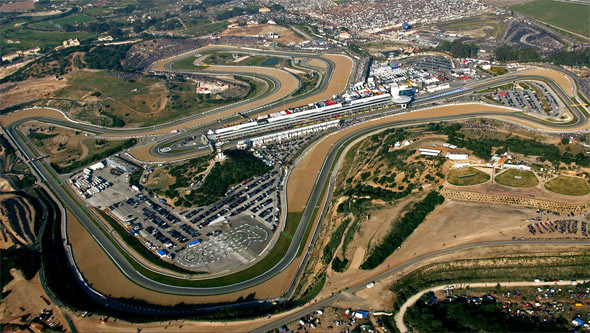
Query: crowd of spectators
x=143, y=54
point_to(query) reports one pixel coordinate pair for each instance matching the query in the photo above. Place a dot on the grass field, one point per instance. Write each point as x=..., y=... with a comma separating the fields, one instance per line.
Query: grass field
x=83, y=82
x=74, y=19
x=32, y=38
x=569, y=16
x=147, y=101
x=206, y=29
x=568, y=186
x=467, y=176
x=65, y=146
x=474, y=23
x=226, y=59
x=517, y=178
x=187, y=63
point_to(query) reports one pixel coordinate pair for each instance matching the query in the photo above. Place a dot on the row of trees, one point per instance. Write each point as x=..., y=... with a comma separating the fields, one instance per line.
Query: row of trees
x=106, y=57
x=573, y=58
x=235, y=11
x=464, y=316
x=334, y=241
x=459, y=49
x=402, y=229
x=509, y=53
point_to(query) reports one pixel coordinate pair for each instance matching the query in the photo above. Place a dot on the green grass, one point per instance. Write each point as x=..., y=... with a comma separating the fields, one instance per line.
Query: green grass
x=32, y=38
x=568, y=185
x=74, y=19
x=224, y=58
x=206, y=29
x=292, y=223
x=83, y=82
x=473, y=23
x=467, y=176
x=187, y=63
x=569, y=16
x=517, y=178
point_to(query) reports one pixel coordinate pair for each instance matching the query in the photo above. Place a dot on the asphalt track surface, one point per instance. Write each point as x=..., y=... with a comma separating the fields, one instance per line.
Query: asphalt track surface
x=125, y=266
x=63, y=192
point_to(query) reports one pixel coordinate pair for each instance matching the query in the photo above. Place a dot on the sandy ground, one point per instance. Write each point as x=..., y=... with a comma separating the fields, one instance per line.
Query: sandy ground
x=28, y=90
x=451, y=224
x=343, y=68
x=12, y=117
x=286, y=36
x=74, y=147
x=17, y=6
x=380, y=298
x=26, y=297
x=5, y=185
x=318, y=63
x=561, y=79
x=9, y=69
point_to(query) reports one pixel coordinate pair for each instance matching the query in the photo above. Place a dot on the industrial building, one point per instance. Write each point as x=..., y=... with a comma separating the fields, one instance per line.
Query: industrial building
x=429, y=152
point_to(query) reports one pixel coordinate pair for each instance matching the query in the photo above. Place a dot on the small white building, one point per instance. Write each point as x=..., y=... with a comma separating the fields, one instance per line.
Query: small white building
x=429, y=152
x=97, y=166
x=457, y=157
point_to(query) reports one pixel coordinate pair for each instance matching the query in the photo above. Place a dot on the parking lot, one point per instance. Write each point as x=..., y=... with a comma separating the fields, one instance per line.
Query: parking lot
x=227, y=246
x=537, y=99
x=225, y=235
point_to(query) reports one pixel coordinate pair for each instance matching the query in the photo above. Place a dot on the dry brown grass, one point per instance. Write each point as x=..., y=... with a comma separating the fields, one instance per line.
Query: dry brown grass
x=28, y=90
x=26, y=295
x=286, y=36
x=318, y=63
x=18, y=6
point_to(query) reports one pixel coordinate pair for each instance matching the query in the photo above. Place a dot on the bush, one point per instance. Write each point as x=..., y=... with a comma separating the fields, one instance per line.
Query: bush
x=339, y=265
x=24, y=259
x=93, y=158
x=402, y=229
x=239, y=166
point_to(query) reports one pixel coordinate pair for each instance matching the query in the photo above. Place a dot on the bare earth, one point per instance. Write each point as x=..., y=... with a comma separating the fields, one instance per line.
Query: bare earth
x=27, y=295
x=286, y=36
x=29, y=90
x=317, y=63
x=18, y=6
